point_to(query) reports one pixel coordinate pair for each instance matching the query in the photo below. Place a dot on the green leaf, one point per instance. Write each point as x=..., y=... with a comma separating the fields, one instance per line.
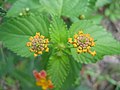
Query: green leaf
x=10, y=1
x=90, y=9
x=16, y=32
x=58, y=31
x=73, y=74
x=65, y=7
x=105, y=43
x=21, y=5
x=58, y=68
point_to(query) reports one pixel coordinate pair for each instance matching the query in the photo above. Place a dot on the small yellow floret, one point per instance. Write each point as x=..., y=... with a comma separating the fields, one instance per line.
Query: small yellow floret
x=88, y=47
x=46, y=41
x=93, y=53
x=42, y=36
x=40, y=52
x=91, y=39
x=79, y=51
x=47, y=50
x=35, y=55
x=38, y=34
x=31, y=38
x=80, y=32
x=28, y=44
x=75, y=45
x=93, y=44
x=70, y=40
x=75, y=36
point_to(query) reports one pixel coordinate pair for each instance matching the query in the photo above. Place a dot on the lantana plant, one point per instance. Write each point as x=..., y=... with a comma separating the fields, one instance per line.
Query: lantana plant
x=38, y=28
x=42, y=80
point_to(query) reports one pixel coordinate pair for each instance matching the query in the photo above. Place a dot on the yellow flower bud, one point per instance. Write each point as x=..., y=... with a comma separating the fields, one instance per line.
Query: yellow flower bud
x=31, y=38
x=47, y=50
x=80, y=32
x=75, y=36
x=75, y=40
x=35, y=55
x=80, y=48
x=87, y=35
x=38, y=34
x=42, y=36
x=40, y=52
x=88, y=47
x=70, y=40
x=93, y=53
x=93, y=44
x=75, y=45
x=91, y=39
x=46, y=41
x=79, y=51
x=29, y=44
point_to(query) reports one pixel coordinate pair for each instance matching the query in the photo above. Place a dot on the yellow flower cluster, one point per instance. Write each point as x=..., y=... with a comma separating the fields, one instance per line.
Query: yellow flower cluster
x=83, y=43
x=42, y=80
x=38, y=44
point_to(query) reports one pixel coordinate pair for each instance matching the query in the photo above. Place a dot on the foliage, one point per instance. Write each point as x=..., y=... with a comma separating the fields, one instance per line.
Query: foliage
x=114, y=10
x=62, y=62
x=21, y=5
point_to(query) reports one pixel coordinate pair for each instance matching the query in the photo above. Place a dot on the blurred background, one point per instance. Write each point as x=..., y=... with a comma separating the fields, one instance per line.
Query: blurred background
x=16, y=72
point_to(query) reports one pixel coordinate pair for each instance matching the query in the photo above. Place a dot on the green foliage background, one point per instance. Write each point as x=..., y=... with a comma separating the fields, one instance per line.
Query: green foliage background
x=62, y=63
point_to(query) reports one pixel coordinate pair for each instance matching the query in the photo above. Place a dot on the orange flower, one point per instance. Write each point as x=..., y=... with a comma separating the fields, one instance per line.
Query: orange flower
x=42, y=80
